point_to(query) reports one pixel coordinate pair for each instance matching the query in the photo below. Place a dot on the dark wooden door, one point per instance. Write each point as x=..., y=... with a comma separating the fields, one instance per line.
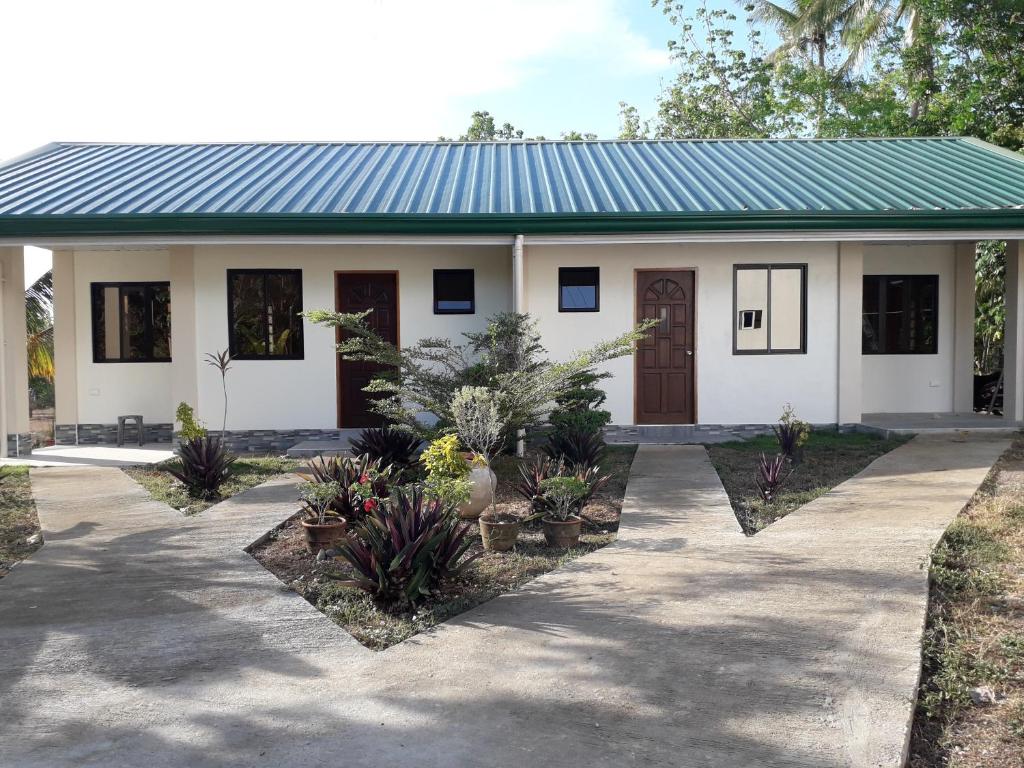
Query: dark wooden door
x=664, y=360
x=357, y=292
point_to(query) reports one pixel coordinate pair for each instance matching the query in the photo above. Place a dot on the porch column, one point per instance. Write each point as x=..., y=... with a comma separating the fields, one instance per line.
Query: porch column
x=65, y=349
x=14, y=336
x=518, y=275
x=184, y=353
x=850, y=290
x=963, y=329
x=1013, y=338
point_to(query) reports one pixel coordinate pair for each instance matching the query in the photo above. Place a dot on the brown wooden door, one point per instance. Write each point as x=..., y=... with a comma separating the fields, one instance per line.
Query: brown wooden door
x=664, y=360
x=357, y=292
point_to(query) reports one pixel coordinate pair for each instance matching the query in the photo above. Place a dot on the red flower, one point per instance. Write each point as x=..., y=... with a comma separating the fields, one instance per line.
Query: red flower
x=369, y=505
x=364, y=478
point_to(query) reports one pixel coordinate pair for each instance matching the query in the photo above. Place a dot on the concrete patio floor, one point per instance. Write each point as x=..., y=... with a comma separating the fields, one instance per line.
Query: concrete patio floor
x=139, y=637
x=93, y=456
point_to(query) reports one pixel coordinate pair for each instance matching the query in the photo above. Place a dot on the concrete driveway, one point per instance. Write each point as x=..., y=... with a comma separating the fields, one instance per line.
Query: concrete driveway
x=136, y=637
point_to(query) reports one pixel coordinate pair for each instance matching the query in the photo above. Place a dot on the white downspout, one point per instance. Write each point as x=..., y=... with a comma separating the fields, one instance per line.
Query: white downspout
x=518, y=306
x=3, y=366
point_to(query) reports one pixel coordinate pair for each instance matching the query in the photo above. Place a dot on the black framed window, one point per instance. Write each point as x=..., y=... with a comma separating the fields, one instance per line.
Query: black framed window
x=453, y=292
x=769, y=309
x=131, y=322
x=900, y=315
x=579, y=289
x=263, y=314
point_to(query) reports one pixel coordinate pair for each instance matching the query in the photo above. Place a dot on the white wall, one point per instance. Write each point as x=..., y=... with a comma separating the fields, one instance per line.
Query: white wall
x=294, y=394
x=913, y=383
x=107, y=390
x=730, y=389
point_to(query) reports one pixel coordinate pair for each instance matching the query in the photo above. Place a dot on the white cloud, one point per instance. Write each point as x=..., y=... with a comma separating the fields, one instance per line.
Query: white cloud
x=194, y=70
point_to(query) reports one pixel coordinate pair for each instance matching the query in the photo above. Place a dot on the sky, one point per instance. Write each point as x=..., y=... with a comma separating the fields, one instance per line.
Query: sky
x=220, y=70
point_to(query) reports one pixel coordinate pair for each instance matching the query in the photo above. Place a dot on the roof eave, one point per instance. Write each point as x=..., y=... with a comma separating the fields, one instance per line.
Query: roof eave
x=114, y=225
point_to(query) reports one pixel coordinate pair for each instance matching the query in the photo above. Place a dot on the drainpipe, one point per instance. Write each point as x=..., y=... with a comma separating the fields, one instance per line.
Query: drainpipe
x=3, y=367
x=518, y=306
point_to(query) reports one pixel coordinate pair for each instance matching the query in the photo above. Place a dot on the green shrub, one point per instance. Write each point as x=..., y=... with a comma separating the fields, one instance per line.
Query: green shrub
x=205, y=465
x=533, y=473
x=443, y=457
x=405, y=548
x=578, y=408
x=356, y=481
x=317, y=500
x=565, y=495
x=190, y=427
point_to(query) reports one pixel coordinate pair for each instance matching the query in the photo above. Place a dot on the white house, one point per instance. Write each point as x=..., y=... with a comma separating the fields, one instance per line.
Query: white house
x=836, y=275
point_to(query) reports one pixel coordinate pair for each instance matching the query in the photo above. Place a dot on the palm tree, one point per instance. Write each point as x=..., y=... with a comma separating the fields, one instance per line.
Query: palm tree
x=807, y=25
x=39, y=324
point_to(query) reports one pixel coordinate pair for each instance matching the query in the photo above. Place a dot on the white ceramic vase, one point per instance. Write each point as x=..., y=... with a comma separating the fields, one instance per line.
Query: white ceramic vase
x=482, y=482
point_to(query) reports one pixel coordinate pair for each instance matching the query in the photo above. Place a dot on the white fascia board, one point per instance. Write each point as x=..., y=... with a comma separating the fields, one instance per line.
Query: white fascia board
x=158, y=241
x=801, y=236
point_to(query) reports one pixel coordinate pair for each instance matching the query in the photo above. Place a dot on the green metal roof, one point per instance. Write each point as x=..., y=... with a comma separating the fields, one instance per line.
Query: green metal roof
x=510, y=187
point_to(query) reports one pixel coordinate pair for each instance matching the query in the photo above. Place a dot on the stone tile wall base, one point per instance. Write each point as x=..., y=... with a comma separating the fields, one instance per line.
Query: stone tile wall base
x=20, y=444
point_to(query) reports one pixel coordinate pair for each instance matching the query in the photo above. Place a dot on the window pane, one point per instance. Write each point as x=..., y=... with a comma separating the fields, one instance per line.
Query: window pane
x=897, y=323
x=160, y=303
x=752, y=297
x=787, y=309
x=578, y=289
x=131, y=322
x=453, y=291
x=871, y=321
x=248, y=308
x=900, y=314
x=284, y=326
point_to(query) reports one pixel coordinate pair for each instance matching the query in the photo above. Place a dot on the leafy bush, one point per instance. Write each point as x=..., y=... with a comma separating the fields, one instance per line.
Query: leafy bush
x=317, y=500
x=392, y=447
x=565, y=494
x=190, y=428
x=533, y=473
x=576, y=448
x=578, y=408
x=444, y=457
x=771, y=476
x=205, y=465
x=478, y=421
x=355, y=478
x=791, y=433
x=405, y=548
x=507, y=358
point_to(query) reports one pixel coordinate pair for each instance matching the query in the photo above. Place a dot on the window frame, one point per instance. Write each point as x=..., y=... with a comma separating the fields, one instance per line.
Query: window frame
x=232, y=339
x=883, y=279
x=597, y=288
x=94, y=313
x=767, y=317
x=441, y=273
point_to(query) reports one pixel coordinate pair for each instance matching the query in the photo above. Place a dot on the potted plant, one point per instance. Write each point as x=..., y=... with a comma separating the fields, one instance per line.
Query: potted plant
x=480, y=426
x=562, y=522
x=322, y=527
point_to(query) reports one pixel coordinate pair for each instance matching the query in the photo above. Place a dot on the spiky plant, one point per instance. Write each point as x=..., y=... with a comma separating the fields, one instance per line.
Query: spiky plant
x=771, y=476
x=405, y=548
x=397, y=448
x=347, y=475
x=205, y=465
x=576, y=448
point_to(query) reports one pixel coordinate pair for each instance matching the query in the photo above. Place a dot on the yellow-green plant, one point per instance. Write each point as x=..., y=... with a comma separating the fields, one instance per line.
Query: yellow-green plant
x=791, y=433
x=443, y=457
x=190, y=426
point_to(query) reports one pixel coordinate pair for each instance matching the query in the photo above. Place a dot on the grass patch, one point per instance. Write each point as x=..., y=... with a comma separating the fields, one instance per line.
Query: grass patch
x=829, y=458
x=247, y=472
x=975, y=632
x=492, y=574
x=19, y=524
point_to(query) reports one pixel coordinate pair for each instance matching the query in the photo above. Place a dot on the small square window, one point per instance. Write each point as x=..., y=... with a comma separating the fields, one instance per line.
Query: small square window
x=454, y=292
x=750, y=319
x=579, y=289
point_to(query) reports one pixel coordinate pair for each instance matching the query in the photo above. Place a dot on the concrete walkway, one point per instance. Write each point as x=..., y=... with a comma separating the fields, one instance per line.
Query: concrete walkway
x=138, y=637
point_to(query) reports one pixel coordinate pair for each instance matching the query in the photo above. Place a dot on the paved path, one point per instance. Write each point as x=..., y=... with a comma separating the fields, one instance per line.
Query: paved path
x=136, y=637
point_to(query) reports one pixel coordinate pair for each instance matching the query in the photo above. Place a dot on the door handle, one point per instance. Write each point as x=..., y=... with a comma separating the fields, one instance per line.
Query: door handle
x=689, y=353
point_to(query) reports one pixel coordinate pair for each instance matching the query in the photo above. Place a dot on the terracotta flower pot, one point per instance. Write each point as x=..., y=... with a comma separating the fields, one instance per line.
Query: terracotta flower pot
x=325, y=536
x=482, y=482
x=499, y=532
x=562, y=533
